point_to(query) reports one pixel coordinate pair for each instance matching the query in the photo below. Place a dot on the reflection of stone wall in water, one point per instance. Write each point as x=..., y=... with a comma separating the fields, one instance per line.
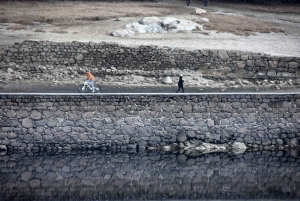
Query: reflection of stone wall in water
x=99, y=176
x=121, y=122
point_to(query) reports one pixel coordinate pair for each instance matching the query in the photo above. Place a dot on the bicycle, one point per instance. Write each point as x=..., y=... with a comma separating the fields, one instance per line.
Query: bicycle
x=87, y=88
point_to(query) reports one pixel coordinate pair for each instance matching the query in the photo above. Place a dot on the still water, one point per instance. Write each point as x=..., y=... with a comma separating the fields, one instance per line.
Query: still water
x=149, y=176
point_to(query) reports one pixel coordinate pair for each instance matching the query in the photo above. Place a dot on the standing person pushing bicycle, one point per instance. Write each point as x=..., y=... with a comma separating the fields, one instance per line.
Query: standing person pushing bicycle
x=91, y=79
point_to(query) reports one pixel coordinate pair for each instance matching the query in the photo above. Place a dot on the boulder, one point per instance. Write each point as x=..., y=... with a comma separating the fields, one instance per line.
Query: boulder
x=203, y=19
x=210, y=148
x=149, y=20
x=199, y=11
x=167, y=80
x=9, y=70
x=167, y=21
x=123, y=33
x=3, y=148
x=137, y=27
x=238, y=147
x=154, y=28
x=183, y=26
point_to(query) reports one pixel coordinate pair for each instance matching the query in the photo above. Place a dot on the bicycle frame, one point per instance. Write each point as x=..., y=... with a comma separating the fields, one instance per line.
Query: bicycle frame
x=87, y=83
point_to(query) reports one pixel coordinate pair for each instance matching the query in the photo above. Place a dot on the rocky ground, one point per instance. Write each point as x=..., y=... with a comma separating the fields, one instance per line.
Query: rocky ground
x=282, y=44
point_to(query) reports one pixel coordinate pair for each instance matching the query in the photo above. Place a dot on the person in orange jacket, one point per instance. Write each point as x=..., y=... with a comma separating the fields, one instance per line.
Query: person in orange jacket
x=91, y=79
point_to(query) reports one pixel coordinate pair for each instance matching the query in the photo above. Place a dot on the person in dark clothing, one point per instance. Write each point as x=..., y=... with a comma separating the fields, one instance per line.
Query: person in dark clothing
x=188, y=2
x=205, y=3
x=180, y=84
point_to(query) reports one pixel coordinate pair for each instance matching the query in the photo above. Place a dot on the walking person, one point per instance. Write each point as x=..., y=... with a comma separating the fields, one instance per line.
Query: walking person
x=180, y=84
x=205, y=3
x=188, y=2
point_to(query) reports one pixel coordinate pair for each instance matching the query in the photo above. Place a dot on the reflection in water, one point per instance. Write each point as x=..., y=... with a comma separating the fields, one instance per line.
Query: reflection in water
x=153, y=176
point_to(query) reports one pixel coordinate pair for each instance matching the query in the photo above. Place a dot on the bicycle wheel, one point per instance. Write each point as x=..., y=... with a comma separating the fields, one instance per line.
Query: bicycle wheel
x=82, y=88
x=98, y=88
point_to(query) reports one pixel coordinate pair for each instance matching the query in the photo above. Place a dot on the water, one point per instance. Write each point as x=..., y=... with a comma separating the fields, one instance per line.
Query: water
x=261, y=175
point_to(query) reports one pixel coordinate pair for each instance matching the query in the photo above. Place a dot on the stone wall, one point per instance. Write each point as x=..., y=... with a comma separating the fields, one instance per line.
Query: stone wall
x=110, y=58
x=139, y=121
x=149, y=176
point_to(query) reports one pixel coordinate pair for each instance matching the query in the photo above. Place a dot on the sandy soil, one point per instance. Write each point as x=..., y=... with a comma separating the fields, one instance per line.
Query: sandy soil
x=286, y=43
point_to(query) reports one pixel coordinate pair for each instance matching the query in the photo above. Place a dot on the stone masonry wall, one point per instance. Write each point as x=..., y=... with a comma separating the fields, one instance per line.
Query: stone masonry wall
x=122, y=122
x=108, y=58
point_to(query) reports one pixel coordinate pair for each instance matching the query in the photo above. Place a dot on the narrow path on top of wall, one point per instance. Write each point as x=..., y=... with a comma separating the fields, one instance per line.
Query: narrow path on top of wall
x=14, y=87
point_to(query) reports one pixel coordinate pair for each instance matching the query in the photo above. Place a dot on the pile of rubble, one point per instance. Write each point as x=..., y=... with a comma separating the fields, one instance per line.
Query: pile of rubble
x=156, y=25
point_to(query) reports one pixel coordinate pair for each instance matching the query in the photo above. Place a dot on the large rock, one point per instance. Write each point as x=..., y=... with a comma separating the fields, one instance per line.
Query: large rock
x=199, y=11
x=154, y=28
x=167, y=80
x=155, y=25
x=183, y=26
x=27, y=123
x=238, y=147
x=137, y=27
x=149, y=20
x=123, y=33
x=3, y=148
x=210, y=148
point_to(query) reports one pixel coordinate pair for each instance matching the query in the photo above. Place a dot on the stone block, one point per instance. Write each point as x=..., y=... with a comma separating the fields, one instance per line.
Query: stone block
x=36, y=115
x=27, y=123
x=182, y=137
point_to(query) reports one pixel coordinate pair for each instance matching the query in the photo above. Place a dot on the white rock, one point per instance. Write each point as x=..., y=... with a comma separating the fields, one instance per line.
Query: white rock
x=238, y=147
x=167, y=148
x=167, y=80
x=154, y=28
x=208, y=148
x=149, y=20
x=246, y=82
x=203, y=19
x=9, y=70
x=199, y=11
x=137, y=27
x=123, y=33
x=183, y=25
x=167, y=21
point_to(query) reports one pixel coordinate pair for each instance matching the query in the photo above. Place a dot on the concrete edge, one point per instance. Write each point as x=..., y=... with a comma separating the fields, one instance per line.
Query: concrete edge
x=151, y=94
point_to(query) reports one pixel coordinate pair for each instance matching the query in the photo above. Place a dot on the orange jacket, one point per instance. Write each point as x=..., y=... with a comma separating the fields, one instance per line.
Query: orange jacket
x=90, y=76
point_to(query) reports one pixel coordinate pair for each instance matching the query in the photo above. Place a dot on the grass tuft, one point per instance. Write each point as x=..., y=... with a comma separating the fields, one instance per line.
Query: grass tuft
x=239, y=25
x=16, y=27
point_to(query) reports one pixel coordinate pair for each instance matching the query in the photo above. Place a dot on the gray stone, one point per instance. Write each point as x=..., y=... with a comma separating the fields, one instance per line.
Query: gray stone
x=34, y=183
x=181, y=158
x=294, y=142
x=222, y=54
x=11, y=114
x=26, y=176
x=67, y=129
x=27, y=123
x=72, y=61
x=191, y=134
x=3, y=148
x=36, y=115
x=213, y=136
x=79, y=57
x=11, y=135
x=210, y=122
x=52, y=122
x=181, y=137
